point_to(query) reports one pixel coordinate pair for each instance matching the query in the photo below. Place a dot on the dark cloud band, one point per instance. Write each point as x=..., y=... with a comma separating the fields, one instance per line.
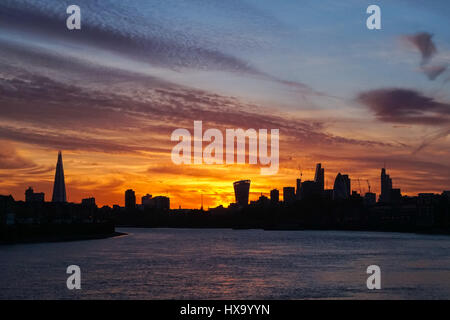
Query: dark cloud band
x=405, y=106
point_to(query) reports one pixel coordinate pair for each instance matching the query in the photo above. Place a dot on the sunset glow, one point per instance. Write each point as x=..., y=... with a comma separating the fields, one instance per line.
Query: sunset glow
x=110, y=95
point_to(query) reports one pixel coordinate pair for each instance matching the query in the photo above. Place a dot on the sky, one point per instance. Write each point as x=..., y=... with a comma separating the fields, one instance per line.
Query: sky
x=110, y=95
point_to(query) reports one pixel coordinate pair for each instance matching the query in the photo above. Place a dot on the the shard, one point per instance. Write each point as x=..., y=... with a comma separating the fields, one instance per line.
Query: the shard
x=59, y=187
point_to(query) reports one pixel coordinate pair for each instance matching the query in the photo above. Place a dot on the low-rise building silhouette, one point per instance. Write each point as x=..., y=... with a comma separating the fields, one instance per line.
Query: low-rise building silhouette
x=370, y=199
x=162, y=203
x=88, y=202
x=274, y=196
x=147, y=200
x=309, y=190
x=289, y=195
x=31, y=196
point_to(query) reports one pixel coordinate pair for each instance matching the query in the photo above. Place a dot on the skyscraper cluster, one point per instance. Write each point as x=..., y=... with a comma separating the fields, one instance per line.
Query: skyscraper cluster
x=309, y=189
x=342, y=190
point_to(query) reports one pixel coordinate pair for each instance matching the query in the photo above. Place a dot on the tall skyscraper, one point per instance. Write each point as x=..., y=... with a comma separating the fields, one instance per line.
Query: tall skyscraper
x=130, y=199
x=386, y=186
x=59, y=186
x=341, y=188
x=241, y=192
x=319, y=177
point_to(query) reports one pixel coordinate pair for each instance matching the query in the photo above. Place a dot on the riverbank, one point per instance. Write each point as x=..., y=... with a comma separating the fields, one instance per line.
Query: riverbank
x=66, y=238
x=31, y=233
x=424, y=231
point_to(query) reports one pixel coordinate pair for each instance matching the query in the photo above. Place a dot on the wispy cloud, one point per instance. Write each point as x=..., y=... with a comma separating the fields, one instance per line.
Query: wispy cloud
x=39, y=110
x=428, y=140
x=423, y=42
x=140, y=34
x=10, y=159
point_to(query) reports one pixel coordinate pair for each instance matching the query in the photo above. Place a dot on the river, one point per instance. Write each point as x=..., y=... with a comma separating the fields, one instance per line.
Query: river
x=230, y=264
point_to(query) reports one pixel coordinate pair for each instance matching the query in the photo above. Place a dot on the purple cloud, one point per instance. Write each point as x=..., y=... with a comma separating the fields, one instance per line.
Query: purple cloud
x=405, y=106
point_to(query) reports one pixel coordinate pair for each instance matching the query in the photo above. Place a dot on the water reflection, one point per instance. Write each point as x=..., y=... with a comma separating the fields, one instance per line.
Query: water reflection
x=231, y=264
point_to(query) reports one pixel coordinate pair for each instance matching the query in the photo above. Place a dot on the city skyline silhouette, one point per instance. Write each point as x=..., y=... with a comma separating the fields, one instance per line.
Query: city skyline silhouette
x=244, y=150
x=333, y=95
x=341, y=189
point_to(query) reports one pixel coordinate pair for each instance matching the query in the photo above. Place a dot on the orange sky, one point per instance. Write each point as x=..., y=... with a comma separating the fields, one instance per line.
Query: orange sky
x=106, y=176
x=115, y=137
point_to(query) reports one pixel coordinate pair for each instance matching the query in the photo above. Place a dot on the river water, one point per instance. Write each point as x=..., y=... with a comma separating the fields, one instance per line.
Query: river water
x=230, y=264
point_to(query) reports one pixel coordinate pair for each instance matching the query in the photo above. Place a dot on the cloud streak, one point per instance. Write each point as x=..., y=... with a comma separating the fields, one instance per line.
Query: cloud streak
x=39, y=110
x=431, y=139
x=128, y=30
x=113, y=31
x=10, y=159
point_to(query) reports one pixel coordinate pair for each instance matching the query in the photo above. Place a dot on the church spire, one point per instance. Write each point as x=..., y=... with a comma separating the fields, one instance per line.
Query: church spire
x=59, y=187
